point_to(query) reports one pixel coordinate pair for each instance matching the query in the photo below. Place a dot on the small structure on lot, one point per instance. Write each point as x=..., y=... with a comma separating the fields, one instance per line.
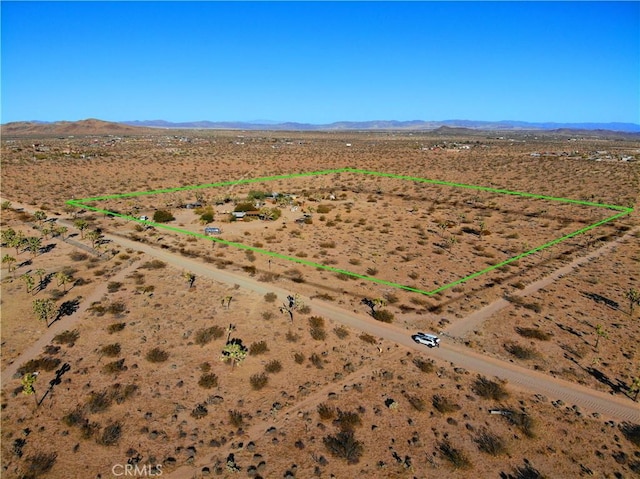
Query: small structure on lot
x=211, y=230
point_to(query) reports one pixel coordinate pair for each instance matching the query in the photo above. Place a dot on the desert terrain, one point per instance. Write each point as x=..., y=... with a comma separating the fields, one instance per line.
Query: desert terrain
x=325, y=386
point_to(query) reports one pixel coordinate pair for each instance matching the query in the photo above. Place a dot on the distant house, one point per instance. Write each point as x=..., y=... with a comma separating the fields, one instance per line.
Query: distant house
x=191, y=206
x=211, y=230
x=239, y=215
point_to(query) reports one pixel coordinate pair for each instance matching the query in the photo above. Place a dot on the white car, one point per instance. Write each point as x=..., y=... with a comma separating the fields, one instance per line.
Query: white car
x=429, y=340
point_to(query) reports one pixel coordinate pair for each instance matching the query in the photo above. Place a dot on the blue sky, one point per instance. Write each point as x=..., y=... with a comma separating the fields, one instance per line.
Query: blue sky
x=319, y=62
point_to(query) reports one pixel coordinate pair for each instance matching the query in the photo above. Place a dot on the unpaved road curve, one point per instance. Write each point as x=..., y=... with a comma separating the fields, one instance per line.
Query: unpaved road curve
x=472, y=322
x=614, y=407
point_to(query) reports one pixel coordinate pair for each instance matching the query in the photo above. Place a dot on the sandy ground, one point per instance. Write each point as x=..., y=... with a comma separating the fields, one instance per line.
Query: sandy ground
x=408, y=419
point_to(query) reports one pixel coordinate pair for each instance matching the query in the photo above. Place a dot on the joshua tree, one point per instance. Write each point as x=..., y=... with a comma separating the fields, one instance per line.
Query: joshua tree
x=28, y=388
x=16, y=241
x=40, y=273
x=40, y=216
x=63, y=279
x=44, y=309
x=9, y=261
x=292, y=303
x=635, y=387
x=633, y=295
x=33, y=244
x=234, y=352
x=600, y=333
x=60, y=230
x=227, y=299
x=28, y=280
x=189, y=278
x=94, y=236
x=81, y=225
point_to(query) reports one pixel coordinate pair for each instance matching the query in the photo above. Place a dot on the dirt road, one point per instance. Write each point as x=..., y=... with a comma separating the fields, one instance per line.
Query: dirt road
x=614, y=407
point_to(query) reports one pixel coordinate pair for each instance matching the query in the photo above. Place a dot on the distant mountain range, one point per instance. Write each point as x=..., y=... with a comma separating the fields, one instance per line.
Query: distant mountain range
x=388, y=125
x=100, y=127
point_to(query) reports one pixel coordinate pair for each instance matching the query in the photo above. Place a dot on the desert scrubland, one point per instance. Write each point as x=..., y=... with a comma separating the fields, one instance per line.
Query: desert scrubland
x=144, y=336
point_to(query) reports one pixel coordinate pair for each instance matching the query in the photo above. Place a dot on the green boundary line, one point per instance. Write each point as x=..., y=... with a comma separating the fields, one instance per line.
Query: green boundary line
x=81, y=203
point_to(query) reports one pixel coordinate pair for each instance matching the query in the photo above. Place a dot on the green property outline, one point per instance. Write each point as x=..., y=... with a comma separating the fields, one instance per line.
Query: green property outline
x=81, y=203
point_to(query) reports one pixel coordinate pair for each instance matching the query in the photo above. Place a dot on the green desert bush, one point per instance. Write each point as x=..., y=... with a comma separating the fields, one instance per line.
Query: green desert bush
x=163, y=216
x=383, y=315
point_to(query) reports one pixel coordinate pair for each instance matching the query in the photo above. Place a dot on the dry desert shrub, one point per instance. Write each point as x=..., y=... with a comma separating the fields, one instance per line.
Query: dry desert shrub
x=488, y=389
x=206, y=335
x=455, y=456
x=341, y=332
x=208, y=381
x=316, y=360
x=273, y=366
x=40, y=463
x=258, y=381
x=298, y=358
x=427, y=366
x=345, y=446
x=199, y=411
x=325, y=411
x=367, y=338
x=98, y=402
x=259, y=347
x=527, y=472
x=348, y=420
x=534, y=333
x=115, y=327
x=236, y=418
x=111, y=435
x=521, y=352
x=67, y=337
x=154, y=264
x=114, y=367
x=319, y=334
x=111, y=350
x=416, y=402
x=270, y=297
x=45, y=363
x=383, y=315
x=444, y=404
x=157, y=355
x=490, y=443
x=631, y=432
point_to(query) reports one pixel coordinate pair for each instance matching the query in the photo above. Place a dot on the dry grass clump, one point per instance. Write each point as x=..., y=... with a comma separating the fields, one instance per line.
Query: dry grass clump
x=45, y=363
x=444, y=404
x=208, y=381
x=424, y=366
x=534, y=333
x=298, y=358
x=40, y=463
x=521, y=352
x=258, y=381
x=111, y=350
x=367, y=338
x=490, y=443
x=273, y=366
x=114, y=367
x=455, y=456
x=341, y=332
x=488, y=389
x=259, y=347
x=345, y=446
x=111, y=435
x=115, y=327
x=157, y=355
x=154, y=264
x=236, y=418
x=270, y=297
x=325, y=411
x=206, y=335
x=67, y=337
